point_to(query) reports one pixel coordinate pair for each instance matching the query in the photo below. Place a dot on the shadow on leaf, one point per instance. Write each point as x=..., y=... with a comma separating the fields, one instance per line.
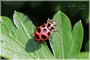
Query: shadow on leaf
x=32, y=45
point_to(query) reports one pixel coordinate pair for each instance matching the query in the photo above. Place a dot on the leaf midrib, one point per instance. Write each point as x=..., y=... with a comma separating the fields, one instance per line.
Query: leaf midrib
x=17, y=42
x=16, y=52
x=61, y=40
x=28, y=34
x=73, y=43
x=16, y=39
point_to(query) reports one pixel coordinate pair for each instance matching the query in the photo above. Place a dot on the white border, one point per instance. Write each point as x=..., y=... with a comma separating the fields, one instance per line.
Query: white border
x=89, y=29
x=50, y=0
x=45, y=0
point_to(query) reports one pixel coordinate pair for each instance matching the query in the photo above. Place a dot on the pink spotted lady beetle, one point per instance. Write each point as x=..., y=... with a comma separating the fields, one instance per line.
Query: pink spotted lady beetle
x=44, y=32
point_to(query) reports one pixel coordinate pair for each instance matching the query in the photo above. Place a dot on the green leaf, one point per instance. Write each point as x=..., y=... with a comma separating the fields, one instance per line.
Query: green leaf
x=82, y=55
x=16, y=40
x=67, y=42
x=77, y=36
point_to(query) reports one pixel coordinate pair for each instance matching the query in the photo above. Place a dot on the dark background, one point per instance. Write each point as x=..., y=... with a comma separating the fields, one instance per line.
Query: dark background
x=40, y=11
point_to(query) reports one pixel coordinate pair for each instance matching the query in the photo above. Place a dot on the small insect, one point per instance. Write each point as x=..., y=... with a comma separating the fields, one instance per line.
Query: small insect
x=44, y=32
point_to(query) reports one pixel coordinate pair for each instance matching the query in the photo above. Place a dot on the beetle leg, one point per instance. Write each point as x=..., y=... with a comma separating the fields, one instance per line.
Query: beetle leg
x=51, y=40
x=55, y=31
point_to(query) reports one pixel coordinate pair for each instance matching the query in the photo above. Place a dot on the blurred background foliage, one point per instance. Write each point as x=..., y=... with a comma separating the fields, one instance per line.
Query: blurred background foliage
x=40, y=11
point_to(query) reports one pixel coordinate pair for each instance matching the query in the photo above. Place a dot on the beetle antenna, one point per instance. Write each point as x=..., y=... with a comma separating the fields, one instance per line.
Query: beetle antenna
x=48, y=20
x=53, y=19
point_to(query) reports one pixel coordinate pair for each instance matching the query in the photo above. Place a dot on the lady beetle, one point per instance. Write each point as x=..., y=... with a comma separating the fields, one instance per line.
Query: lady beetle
x=44, y=32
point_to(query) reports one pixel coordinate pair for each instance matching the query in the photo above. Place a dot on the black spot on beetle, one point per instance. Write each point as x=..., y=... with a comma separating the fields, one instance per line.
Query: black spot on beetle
x=52, y=28
x=37, y=36
x=43, y=25
x=48, y=25
x=45, y=30
x=39, y=30
x=48, y=33
x=43, y=36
